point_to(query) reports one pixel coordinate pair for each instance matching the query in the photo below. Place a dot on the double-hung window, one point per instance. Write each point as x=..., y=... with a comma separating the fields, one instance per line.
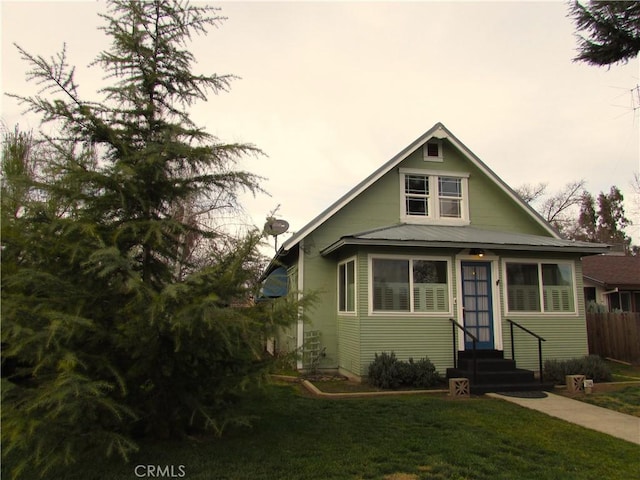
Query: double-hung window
x=450, y=197
x=347, y=286
x=543, y=287
x=416, y=190
x=434, y=196
x=411, y=285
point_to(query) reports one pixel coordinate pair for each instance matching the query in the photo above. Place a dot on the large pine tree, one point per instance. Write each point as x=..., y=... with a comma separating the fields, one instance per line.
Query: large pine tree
x=111, y=329
x=611, y=31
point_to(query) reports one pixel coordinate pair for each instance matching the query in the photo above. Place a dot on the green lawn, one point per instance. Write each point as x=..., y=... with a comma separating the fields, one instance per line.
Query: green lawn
x=624, y=373
x=392, y=438
x=622, y=397
x=625, y=400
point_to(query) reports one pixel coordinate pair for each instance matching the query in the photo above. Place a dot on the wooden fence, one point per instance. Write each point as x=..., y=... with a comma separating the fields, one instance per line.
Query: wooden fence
x=615, y=335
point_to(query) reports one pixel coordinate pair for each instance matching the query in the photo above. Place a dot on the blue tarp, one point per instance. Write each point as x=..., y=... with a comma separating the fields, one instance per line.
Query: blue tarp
x=275, y=285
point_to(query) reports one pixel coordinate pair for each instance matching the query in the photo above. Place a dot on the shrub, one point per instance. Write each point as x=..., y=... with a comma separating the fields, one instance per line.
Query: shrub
x=384, y=371
x=426, y=374
x=592, y=366
x=387, y=372
x=594, y=307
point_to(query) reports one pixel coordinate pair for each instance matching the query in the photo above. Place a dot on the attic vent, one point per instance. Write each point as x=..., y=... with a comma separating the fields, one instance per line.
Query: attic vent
x=432, y=151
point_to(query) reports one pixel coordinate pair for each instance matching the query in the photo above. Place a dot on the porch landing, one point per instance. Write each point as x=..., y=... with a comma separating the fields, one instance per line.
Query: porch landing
x=494, y=373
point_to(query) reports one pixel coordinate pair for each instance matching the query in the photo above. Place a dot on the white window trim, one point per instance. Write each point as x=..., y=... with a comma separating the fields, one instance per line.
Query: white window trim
x=410, y=313
x=493, y=259
x=427, y=158
x=347, y=313
x=541, y=313
x=434, y=198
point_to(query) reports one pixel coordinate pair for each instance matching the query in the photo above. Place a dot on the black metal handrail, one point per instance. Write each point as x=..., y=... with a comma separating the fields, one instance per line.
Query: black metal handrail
x=540, y=340
x=474, y=339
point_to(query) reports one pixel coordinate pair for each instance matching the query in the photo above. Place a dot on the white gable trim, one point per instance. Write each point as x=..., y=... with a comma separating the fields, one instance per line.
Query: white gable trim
x=438, y=131
x=505, y=188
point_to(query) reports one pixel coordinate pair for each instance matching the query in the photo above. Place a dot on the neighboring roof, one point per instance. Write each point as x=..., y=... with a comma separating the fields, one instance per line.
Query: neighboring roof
x=612, y=270
x=437, y=131
x=462, y=237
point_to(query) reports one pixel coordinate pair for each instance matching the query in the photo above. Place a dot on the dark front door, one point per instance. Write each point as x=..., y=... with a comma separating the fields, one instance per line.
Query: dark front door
x=477, y=303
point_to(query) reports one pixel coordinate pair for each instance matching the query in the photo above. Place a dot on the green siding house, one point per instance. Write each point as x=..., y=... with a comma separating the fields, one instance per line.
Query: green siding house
x=430, y=239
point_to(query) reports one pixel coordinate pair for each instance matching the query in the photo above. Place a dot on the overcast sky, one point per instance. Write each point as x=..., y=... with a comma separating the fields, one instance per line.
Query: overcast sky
x=331, y=90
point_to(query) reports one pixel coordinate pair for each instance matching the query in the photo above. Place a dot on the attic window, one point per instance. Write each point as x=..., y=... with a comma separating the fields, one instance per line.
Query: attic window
x=416, y=188
x=432, y=151
x=429, y=196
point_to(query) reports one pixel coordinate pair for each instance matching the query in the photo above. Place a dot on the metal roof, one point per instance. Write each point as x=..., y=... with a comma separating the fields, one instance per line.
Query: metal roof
x=462, y=237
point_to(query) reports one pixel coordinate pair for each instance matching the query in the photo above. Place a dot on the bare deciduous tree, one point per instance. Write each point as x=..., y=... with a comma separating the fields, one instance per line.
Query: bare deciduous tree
x=557, y=208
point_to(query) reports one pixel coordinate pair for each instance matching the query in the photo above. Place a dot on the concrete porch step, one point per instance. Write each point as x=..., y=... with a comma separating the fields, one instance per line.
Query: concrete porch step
x=480, y=354
x=487, y=364
x=494, y=373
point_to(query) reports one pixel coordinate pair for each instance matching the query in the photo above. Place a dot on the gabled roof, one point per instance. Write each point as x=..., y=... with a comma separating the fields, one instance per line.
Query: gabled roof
x=613, y=270
x=438, y=131
x=462, y=237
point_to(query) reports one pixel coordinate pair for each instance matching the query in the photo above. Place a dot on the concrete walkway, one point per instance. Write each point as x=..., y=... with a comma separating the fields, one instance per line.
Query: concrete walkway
x=620, y=425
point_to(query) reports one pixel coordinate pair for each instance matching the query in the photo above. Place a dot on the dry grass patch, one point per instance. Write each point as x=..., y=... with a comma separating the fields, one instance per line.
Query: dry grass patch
x=401, y=476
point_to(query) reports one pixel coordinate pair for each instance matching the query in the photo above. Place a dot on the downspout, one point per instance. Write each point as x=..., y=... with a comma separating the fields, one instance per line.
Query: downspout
x=300, y=326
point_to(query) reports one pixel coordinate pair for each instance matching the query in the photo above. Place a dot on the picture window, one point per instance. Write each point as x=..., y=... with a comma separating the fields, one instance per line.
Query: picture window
x=540, y=287
x=410, y=285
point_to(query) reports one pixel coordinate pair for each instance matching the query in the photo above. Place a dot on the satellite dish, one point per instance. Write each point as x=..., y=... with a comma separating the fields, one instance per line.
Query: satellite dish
x=275, y=227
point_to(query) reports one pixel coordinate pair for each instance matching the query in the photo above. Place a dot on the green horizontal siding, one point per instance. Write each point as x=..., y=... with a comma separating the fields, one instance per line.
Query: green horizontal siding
x=349, y=344
x=565, y=338
x=320, y=279
x=407, y=336
x=416, y=338
x=565, y=335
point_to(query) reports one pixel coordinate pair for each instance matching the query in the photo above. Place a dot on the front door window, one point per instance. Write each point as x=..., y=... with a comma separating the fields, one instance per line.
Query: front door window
x=477, y=303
